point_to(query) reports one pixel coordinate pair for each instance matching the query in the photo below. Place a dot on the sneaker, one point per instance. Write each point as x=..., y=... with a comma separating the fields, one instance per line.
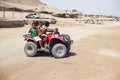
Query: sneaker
x=42, y=48
x=46, y=46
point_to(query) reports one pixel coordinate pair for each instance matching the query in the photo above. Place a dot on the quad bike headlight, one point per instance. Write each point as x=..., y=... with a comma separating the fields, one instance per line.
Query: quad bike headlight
x=67, y=38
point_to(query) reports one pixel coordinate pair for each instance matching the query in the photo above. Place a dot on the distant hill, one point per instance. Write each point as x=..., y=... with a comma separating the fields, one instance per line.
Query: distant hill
x=27, y=2
x=28, y=5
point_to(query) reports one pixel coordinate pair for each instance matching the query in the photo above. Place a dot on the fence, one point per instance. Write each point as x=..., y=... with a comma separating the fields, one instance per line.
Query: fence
x=12, y=14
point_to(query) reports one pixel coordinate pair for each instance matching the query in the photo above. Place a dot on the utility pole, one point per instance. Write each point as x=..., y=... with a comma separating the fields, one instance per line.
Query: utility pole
x=13, y=13
x=4, y=11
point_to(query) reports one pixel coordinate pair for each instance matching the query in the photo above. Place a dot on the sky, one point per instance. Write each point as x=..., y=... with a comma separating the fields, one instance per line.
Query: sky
x=103, y=7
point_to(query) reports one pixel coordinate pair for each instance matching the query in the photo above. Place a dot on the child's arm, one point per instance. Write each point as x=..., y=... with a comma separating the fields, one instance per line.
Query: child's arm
x=29, y=30
x=49, y=29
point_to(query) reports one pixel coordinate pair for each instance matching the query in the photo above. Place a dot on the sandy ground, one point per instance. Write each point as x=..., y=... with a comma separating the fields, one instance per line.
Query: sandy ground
x=95, y=55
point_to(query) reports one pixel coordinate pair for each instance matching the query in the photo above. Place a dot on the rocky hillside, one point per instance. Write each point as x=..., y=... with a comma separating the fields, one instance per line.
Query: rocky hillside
x=26, y=2
x=27, y=5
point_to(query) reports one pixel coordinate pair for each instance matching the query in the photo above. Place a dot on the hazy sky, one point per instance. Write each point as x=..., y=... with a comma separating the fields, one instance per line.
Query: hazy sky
x=108, y=7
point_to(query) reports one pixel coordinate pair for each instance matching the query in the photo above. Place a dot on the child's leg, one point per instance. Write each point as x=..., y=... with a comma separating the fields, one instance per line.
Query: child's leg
x=37, y=38
x=40, y=42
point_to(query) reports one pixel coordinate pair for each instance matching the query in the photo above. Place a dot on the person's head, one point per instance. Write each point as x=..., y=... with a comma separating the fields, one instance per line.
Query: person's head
x=47, y=24
x=35, y=23
x=40, y=24
x=32, y=25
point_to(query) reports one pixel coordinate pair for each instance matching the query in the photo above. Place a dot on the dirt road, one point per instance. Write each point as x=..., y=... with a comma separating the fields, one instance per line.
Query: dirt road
x=95, y=55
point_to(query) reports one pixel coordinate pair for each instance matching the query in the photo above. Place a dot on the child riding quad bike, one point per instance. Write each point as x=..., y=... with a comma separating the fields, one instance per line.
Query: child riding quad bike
x=55, y=43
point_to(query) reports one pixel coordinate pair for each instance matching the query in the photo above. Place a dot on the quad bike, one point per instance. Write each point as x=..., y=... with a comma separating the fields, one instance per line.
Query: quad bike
x=58, y=45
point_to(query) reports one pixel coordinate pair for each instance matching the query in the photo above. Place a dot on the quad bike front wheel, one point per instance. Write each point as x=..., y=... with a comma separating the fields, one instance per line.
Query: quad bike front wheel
x=59, y=50
x=30, y=49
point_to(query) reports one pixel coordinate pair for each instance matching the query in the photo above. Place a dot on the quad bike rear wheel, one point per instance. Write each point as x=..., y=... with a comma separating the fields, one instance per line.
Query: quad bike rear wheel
x=30, y=49
x=59, y=50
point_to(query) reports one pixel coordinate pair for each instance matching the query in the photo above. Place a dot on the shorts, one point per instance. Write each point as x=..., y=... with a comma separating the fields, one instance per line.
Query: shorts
x=37, y=38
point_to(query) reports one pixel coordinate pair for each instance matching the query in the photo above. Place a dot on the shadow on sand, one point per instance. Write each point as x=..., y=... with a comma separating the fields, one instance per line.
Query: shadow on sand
x=47, y=54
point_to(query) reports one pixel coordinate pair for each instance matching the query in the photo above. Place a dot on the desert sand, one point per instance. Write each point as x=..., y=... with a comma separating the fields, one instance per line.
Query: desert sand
x=95, y=55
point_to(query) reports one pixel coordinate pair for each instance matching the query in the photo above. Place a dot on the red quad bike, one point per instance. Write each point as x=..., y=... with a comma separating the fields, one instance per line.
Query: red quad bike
x=55, y=43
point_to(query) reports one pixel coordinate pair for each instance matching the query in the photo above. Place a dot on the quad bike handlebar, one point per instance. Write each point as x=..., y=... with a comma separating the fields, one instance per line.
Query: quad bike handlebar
x=56, y=31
